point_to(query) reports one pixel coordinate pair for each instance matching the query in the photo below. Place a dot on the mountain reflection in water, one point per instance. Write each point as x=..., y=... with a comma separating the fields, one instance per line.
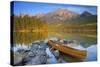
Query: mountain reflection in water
x=29, y=37
x=83, y=42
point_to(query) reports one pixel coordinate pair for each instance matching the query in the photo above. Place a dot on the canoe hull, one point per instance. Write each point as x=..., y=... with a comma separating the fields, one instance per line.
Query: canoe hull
x=81, y=54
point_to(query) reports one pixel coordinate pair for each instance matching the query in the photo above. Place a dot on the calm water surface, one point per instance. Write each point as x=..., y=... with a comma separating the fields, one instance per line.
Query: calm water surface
x=84, y=42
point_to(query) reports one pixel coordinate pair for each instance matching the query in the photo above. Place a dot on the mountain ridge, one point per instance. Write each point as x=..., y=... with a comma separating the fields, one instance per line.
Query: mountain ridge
x=58, y=15
x=64, y=15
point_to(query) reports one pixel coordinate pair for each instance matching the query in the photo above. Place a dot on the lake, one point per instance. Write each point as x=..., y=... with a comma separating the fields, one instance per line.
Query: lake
x=83, y=42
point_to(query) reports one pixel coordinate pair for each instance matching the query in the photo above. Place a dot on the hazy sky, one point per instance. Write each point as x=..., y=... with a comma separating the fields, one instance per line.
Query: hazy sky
x=35, y=8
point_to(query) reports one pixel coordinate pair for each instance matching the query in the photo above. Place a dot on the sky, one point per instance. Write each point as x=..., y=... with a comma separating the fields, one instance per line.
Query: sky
x=20, y=7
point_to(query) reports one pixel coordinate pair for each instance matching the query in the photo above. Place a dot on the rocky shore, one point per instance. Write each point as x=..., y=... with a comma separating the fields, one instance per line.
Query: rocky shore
x=39, y=52
x=35, y=54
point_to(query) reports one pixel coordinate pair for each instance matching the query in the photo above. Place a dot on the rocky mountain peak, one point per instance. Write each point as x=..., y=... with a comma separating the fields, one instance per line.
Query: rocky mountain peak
x=86, y=13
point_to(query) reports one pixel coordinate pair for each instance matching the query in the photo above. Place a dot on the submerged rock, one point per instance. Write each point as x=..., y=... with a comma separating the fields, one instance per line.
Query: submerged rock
x=51, y=58
x=17, y=58
x=19, y=55
x=38, y=59
x=56, y=53
x=36, y=54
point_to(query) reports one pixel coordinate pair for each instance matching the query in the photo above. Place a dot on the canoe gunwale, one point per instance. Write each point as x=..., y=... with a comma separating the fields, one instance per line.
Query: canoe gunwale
x=68, y=50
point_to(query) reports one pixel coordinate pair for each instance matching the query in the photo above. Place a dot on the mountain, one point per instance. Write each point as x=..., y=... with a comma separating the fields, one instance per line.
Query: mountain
x=62, y=15
x=39, y=15
x=58, y=15
x=87, y=17
x=86, y=13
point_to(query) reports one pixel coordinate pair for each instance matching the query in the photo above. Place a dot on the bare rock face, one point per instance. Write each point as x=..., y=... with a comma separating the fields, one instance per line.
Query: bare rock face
x=58, y=15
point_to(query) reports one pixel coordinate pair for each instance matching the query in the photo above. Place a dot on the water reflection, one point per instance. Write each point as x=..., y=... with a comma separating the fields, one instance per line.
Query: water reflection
x=83, y=42
x=91, y=56
x=82, y=39
x=91, y=53
x=28, y=37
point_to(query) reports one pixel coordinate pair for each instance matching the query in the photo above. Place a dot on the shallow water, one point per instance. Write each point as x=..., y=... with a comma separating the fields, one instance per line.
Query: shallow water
x=52, y=58
x=91, y=55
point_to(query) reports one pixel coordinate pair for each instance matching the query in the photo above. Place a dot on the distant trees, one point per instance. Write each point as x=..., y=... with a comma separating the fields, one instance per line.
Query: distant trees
x=35, y=28
x=28, y=23
x=27, y=28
